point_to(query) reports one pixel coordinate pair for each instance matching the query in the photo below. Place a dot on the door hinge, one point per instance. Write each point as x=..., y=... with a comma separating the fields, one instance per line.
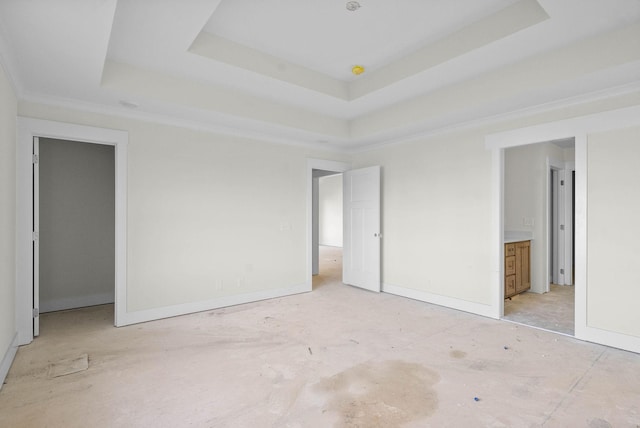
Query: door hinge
x=36, y=312
x=561, y=271
x=562, y=227
x=35, y=235
x=562, y=182
x=35, y=158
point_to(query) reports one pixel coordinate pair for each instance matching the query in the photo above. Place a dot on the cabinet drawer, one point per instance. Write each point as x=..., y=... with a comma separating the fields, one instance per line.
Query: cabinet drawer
x=510, y=265
x=510, y=249
x=509, y=286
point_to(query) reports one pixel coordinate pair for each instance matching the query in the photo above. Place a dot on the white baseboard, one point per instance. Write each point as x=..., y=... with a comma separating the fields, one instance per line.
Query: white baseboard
x=128, y=318
x=7, y=360
x=440, y=300
x=589, y=334
x=75, y=302
x=609, y=338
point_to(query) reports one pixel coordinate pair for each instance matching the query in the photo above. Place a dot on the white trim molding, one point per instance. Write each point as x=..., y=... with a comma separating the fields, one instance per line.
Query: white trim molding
x=8, y=358
x=29, y=128
x=577, y=128
x=258, y=131
x=207, y=305
x=440, y=300
x=75, y=302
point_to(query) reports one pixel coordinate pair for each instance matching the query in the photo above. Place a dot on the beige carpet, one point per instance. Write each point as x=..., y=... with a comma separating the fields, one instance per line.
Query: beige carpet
x=552, y=311
x=335, y=357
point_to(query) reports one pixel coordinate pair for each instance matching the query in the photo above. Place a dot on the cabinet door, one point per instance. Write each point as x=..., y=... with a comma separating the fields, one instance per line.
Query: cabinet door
x=509, y=250
x=509, y=286
x=523, y=275
x=510, y=265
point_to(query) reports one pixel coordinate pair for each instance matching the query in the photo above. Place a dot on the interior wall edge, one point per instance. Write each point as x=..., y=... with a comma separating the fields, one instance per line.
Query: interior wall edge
x=8, y=358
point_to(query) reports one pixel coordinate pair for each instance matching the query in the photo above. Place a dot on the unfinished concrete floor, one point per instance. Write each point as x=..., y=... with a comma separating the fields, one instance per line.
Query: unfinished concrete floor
x=552, y=311
x=336, y=357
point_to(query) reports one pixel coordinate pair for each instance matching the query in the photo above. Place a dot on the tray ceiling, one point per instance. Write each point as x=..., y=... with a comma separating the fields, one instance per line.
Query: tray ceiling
x=280, y=70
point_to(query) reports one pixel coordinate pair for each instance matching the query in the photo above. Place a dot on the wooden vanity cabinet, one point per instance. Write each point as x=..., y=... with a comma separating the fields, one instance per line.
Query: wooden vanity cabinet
x=517, y=272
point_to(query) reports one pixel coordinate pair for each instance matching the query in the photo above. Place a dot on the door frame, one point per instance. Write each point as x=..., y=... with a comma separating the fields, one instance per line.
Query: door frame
x=554, y=219
x=325, y=165
x=569, y=168
x=35, y=168
x=578, y=128
x=27, y=129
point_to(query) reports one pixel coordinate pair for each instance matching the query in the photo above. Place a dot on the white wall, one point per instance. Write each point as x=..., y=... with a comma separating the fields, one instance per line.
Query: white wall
x=526, y=196
x=437, y=211
x=77, y=224
x=435, y=214
x=613, y=261
x=8, y=109
x=213, y=216
x=210, y=217
x=330, y=210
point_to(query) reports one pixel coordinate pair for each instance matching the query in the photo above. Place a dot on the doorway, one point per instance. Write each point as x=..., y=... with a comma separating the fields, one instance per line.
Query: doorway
x=28, y=129
x=361, y=220
x=74, y=221
x=317, y=168
x=327, y=227
x=538, y=207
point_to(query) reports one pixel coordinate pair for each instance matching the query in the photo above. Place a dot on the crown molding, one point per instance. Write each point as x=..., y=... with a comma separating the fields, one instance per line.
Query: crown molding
x=354, y=147
x=195, y=125
x=594, y=96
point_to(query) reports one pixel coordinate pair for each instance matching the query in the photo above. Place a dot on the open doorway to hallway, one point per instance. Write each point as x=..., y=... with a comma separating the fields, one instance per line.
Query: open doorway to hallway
x=538, y=209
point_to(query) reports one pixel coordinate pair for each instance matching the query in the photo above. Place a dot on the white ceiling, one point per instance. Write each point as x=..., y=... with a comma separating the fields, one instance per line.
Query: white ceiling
x=326, y=37
x=280, y=69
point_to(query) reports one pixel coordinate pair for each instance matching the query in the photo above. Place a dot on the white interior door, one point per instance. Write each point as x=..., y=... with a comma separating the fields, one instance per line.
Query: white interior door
x=36, y=237
x=361, y=241
x=561, y=228
x=555, y=229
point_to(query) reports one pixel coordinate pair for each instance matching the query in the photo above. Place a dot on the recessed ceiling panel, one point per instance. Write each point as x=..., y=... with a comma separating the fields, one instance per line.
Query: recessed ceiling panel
x=331, y=40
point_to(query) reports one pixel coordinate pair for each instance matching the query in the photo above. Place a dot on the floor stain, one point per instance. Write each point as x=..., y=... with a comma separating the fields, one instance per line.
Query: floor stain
x=456, y=353
x=599, y=423
x=386, y=394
